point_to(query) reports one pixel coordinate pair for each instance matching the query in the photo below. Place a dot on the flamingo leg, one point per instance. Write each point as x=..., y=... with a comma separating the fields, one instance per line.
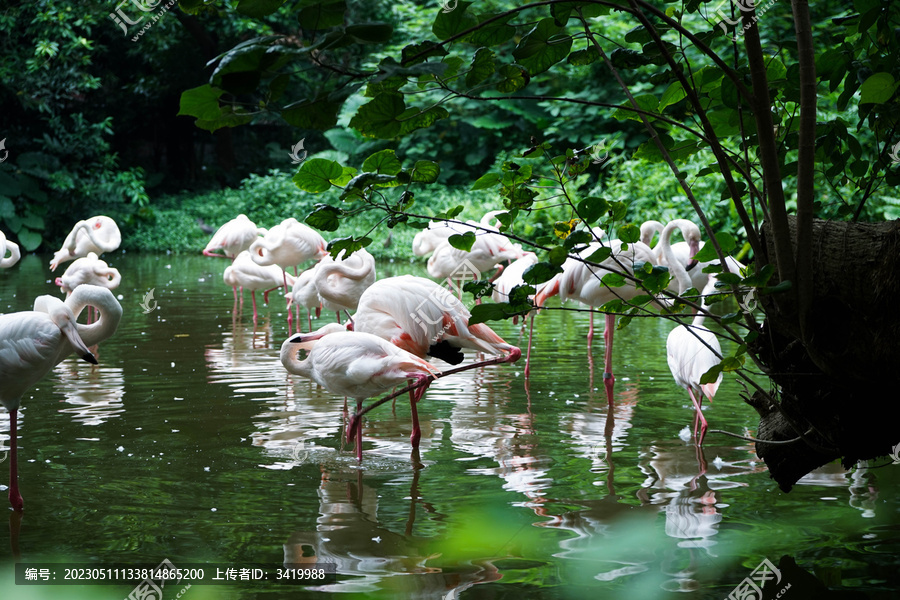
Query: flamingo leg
x=253, y=295
x=416, y=434
x=528, y=351
x=414, y=396
x=591, y=330
x=703, y=425
x=290, y=316
x=15, y=498
x=359, y=403
x=608, y=380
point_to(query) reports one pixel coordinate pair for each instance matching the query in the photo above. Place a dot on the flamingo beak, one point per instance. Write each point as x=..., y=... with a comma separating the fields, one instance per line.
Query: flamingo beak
x=694, y=247
x=68, y=330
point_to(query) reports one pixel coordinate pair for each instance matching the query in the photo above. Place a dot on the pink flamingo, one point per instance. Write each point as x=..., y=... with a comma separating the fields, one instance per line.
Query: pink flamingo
x=245, y=273
x=304, y=293
x=341, y=282
x=684, y=251
x=233, y=237
x=354, y=364
x=33, y=342
x=98, y=235
x=511, y=277
x=691, y=351
x=91, y=270
x=583, y=282
x=287, y=245
x=423, y=318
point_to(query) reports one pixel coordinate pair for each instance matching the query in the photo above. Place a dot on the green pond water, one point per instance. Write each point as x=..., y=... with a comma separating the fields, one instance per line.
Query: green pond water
x=190, y=442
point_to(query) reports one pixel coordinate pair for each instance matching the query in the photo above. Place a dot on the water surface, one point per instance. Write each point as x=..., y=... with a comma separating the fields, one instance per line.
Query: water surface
x=190, y=442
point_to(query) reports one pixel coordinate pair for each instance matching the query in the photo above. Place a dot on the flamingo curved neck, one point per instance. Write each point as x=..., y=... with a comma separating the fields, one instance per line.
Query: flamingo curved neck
x=346, y=269
x=101, y=299
x=675, y=266
x=290, y=362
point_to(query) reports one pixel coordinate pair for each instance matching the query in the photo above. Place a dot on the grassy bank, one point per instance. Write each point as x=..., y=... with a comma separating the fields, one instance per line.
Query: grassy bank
x=269, y=199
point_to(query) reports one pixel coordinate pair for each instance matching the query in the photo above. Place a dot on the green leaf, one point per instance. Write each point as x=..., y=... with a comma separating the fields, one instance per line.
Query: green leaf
x=448, y=24
x=320, y=114
x=499, y=311
x=711, y=375
x=357, y=186
x=542, y=47
x=493, y=34
x=674, y=93
x=732, y=363
x=629, y=233
x=201, y=102
x=540, y=272
x=322, y=15
x=877, y=89
x=558, y=255
x=324, y=218
x=478, y=289
x=379, y=117
x=600, y=254
x=230, y=116
x=422, y=51
x=383, y=161
x=315, y=175
x=613, y=280
x=592, y=208
x=514, y=79
x=708, y=251
x=482, y=67
x=462, y=241
x=348, y=244
x=581, y=58
x=487, y=180
x=258, y=9
x=426, y=171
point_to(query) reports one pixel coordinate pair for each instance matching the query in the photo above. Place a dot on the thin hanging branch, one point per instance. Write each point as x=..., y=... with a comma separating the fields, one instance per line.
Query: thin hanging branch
x=768, y=151
x=805, y=161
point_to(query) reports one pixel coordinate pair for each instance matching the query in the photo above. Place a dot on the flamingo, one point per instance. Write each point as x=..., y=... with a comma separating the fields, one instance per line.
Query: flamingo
x=341, y=282
x=33, y=342
x=423, y=318
x=14, y=254
x=233, y=237
x=488, y=251
x=245, y=273
x=427, y=240
x=684, y=251
x=691, y=352
x=511, y=277
x=583, y=282
x=287, y=245
x=304, y=293
x=355, y=364
x=98, y=234
x=89, y=270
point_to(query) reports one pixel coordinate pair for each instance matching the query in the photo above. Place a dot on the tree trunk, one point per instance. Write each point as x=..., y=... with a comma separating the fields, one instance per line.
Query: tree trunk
x=836, y=390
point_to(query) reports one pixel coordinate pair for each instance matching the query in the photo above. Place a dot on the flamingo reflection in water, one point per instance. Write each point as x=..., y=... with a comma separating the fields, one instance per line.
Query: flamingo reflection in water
x=93, y=395
x=349, y=535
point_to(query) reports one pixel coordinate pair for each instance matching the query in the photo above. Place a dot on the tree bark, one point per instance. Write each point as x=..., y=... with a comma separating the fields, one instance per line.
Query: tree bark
x=837, y=388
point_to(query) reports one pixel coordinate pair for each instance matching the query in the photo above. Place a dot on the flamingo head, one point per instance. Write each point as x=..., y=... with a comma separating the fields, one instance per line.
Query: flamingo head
x=692, y=237
x=309, y=338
